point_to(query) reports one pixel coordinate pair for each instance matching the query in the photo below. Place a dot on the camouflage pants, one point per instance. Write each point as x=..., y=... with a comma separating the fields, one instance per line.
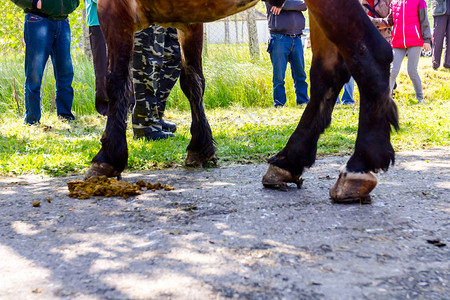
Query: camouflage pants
x=156, y=68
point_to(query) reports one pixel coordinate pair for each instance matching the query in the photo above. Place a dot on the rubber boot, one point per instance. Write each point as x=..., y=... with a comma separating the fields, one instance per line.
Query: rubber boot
x=166, y=126
x=146, y=121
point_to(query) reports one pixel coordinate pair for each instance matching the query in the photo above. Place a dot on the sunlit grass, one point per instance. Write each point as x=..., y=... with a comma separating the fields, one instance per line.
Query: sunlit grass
x=243, y=135
x=246, y=127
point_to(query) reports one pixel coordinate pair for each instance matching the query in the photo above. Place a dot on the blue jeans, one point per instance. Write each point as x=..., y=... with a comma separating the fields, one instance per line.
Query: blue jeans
x=44, y=38
x=284, y=49
x=347, y=97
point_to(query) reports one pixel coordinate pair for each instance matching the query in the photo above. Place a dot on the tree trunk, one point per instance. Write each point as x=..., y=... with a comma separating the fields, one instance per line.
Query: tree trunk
x=227, y=31
x=205, y=41
x=252, y=33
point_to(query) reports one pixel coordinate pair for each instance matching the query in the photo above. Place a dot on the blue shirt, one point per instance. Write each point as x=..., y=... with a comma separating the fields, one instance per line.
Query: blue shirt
x=91, y=13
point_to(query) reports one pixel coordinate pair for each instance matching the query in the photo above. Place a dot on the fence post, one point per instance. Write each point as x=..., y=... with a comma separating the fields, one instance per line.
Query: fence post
x=205, y=41
x=253, y=41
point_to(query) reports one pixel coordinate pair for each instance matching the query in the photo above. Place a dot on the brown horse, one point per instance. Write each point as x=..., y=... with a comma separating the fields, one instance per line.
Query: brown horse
x=344, y=42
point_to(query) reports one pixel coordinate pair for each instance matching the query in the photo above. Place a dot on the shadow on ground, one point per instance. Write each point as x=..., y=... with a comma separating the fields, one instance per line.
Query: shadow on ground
x=221, y=235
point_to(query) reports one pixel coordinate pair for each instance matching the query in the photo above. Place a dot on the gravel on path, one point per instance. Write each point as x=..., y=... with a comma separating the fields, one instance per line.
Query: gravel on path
x=220, y=234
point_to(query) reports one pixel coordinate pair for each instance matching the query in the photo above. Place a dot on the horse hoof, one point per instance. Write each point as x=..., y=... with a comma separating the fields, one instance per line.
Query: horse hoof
x=101, y=169
x=194, y=159
x=276, y=178
x=353, y=187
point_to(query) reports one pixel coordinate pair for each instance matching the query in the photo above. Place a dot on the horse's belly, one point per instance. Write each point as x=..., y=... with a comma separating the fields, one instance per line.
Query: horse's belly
x=190, y=11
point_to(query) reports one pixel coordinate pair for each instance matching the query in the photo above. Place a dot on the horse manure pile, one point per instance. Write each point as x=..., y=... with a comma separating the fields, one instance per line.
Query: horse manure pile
x=154, y=187
x=110, y=187
x=102, y=186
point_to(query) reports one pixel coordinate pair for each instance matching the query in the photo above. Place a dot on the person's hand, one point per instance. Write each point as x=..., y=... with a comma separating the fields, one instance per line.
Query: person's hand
x=39, y=4
x=426, y=46
x=275, y=10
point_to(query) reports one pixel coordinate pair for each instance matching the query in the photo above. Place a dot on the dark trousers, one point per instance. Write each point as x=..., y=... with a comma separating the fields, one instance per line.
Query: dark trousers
x=441, y=31
x=98, y=47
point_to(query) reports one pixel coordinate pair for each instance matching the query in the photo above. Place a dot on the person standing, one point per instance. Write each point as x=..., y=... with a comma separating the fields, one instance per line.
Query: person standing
x=47, y=33
x=440, y=10
x=376, y=9
x=411, y=32
x=156, y=68
x=285, y=45
x=98, y=48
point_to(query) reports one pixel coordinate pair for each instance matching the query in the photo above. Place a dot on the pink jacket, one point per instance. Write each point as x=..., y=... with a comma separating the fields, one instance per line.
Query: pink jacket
x=410, y=21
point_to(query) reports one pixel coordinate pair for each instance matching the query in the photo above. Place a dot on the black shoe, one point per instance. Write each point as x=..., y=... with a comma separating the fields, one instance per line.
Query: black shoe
x=159, y=135
x=33, y=123
x=347, y=101
x=168, y=126
x=66, y=119
x=155, y=135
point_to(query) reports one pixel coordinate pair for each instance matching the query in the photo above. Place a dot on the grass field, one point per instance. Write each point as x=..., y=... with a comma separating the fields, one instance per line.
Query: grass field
x=239, y=107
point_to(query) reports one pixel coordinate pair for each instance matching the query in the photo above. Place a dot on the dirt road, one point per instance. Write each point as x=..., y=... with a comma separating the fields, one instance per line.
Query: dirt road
x=221, y=235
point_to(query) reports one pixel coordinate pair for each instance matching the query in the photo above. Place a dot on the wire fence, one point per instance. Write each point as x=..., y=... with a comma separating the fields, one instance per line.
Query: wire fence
x=245, y=29
x=248, y=29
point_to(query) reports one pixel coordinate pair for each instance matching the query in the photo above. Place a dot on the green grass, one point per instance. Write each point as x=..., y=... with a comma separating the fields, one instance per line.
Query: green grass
x=238, y=101
x=12, y=81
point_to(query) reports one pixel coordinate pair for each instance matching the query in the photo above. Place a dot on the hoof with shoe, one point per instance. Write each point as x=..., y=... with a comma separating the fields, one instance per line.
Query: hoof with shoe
x=277, y=178
x=102, y=169
x=194, y=159
x=353, y=187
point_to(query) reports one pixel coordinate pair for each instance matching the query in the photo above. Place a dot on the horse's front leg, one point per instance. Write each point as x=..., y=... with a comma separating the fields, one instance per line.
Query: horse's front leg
x=328, y=74
x=367, y=57
x=201, y=148
x=378, y=112
x=112, y=158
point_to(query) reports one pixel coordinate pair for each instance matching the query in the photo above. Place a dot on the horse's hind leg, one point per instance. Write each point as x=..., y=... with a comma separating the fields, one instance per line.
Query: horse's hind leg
x=328, y=74
x=201, y=148
x=111, y=160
